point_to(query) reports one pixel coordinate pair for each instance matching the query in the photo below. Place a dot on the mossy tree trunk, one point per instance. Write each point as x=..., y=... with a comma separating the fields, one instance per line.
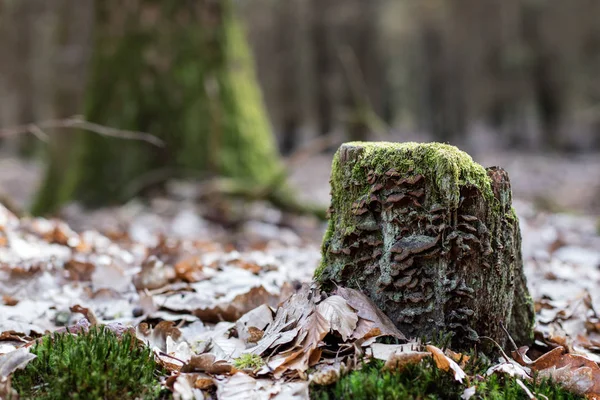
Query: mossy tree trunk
x=182, y=71
x=431, y=237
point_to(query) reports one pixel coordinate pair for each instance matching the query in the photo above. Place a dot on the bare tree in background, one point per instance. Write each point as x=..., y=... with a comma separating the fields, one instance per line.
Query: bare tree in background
x=323, y=58
x=16, y=89
x=287, y=50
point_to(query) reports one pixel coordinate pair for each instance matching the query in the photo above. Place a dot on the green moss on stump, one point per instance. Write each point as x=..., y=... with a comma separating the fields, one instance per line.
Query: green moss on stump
x=431, y=237
x=94, y=365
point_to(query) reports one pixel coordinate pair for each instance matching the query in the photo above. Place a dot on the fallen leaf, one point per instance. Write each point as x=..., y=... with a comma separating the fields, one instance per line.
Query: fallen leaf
x=382, y=351
x=366, y=309
x=574, y=372
x=445, y=363
x=468, y=393
x=251, y=326
x=463, y=359
x=577, y=380
x=398, y=361
x=237, y=387
x=326, y=375
x=157, y=337
x=87, y=313
x=510, y=368
x=341, y=317
x=9, y=300
x=243, y=387
x=184, y=388
x=17, y=359
x=209, y=364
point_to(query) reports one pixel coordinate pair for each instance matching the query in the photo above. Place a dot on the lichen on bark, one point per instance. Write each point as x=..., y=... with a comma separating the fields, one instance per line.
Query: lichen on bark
x=431, y=237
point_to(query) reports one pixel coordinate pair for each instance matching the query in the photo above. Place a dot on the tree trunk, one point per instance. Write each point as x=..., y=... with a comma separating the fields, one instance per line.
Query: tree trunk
x=70, y=37
x=431, y=237
x=179, y=70
x=288, y=62
x=323, y=65
x=16, y=92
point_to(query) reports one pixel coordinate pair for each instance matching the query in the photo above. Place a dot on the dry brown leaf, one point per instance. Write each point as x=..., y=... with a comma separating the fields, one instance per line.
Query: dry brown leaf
x=243, y=387
x=154, y=274
x=366, y=309
x=398, y=361
x=365, y=330
x=249, y=266
x=183, y=386
x=9, y=300
x=80, y=269
x=14, y=360
x=157, y=337
x=463, y=359
x=237, y=387
x=250, y=326
x=6, y=390
x=577, y=380
x=208, y=363
x=445, y=363
x=575, y=372
x=326, y=374
x=341, y=317
x=190, y=269
x=203, y=381
x=237, y=307
x=382, y=351
x=315, y=328
x=509, y=368
x=87, y=313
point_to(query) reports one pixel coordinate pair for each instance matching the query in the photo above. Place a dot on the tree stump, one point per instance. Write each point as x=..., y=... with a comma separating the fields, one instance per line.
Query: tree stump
x=431, y=237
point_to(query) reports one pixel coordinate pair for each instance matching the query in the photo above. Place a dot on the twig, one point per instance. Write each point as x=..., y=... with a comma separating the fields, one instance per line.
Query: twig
x=526, y=389
x=509, y=337
x=506, y=357
x=78, y=122
x=38, y=133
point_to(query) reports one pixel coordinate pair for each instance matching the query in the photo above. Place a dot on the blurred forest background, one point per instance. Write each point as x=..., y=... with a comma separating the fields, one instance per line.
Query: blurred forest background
x=231, y=86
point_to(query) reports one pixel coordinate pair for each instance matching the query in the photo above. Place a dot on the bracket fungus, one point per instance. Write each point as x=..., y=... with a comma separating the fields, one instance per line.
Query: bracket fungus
x=431, y=237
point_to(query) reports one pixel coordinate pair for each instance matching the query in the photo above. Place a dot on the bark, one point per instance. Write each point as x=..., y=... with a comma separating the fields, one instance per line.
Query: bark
x=431, y=237
x=182, y=71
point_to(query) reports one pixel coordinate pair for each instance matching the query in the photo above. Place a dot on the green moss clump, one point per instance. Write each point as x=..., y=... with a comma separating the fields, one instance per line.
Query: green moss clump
x=94, y=365
x=425, y=381
x=248, y=361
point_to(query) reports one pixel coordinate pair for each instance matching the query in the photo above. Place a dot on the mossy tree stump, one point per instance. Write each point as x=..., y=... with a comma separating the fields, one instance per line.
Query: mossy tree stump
x=431, y=237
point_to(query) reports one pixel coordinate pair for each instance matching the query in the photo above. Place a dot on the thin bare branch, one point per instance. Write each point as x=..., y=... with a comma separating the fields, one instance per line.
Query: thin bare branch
x=78, y=122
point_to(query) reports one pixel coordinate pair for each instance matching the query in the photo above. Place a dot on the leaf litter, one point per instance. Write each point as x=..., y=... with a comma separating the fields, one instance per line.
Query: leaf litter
x=204, y=306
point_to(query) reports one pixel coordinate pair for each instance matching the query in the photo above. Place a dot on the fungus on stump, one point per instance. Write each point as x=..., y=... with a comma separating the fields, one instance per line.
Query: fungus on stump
x=431, y=237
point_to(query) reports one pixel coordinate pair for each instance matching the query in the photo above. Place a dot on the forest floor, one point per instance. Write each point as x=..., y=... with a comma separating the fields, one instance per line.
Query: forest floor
x=195, y=278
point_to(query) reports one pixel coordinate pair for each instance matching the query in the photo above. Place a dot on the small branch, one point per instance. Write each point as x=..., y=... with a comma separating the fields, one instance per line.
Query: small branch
x=77, y=122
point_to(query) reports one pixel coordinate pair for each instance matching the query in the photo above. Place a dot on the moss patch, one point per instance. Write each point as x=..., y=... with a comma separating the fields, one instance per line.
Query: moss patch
x=95, y=365
x=248, y=361
x=426, y=381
